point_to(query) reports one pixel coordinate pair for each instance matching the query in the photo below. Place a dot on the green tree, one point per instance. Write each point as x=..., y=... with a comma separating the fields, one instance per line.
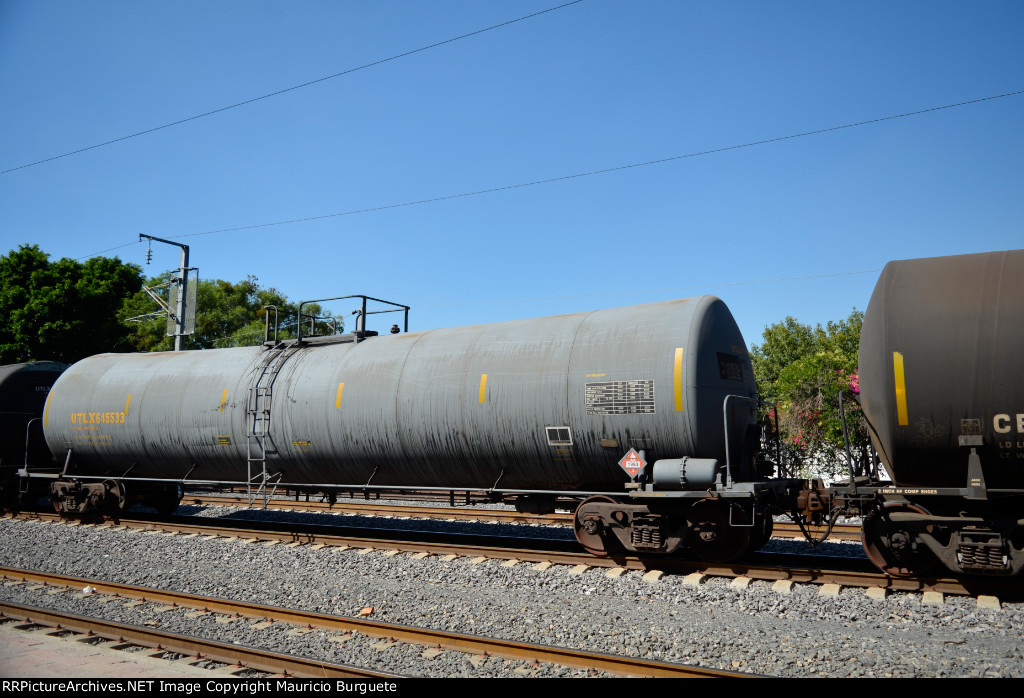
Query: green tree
x=228, y=314
x=805, y=370
x=63, y=310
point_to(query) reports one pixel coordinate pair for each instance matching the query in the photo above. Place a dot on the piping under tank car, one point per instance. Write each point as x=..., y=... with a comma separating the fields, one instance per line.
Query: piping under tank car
x=646, y=415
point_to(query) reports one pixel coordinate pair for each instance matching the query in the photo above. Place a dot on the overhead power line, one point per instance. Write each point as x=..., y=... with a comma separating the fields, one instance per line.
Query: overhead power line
x=294, y=87
x=607, y=170
x=582, y=174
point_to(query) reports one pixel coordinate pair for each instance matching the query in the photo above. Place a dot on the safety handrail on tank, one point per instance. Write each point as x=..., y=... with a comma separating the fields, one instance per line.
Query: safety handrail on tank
x=266, y=331
x=873, y=461
x=725, y=418
x=776, y=435
x=313, y=319
x=770, y=435
x=28, y=436
x=846, y=445
x=361, y=311
x=67, y=464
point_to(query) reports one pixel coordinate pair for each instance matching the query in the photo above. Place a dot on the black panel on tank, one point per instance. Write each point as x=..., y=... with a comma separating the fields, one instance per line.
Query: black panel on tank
x=941, y=356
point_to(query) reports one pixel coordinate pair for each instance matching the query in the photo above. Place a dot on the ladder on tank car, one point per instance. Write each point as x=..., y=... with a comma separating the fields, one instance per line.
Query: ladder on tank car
x=259, y=440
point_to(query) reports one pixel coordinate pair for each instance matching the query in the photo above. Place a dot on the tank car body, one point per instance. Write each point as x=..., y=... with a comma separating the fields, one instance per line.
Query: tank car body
x=942, y=389
x=524, y=404
x=534, y=408
x=939, y=360
x=23, y=392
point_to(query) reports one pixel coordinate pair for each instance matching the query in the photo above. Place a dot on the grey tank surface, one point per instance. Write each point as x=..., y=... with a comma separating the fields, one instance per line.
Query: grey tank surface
x=940, y=358
x=543, y=404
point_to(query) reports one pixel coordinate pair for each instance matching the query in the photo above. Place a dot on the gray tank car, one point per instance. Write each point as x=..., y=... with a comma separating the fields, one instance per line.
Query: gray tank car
x=942, y=389
x=534, y=409
x=645, y=415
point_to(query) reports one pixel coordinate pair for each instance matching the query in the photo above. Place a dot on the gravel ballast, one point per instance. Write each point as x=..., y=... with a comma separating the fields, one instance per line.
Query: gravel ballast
x=753, y=629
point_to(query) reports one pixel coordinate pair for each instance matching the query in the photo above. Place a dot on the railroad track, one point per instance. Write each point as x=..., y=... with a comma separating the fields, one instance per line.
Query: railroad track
x=456, y=513
x=194, y=649
x=277, y=663
x=843, y=571
x=382, y=508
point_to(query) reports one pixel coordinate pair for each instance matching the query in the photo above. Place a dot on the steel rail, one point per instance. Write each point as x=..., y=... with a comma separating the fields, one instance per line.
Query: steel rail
x=822, y=575
x=623, y=666
x=397, y=510
x=200, y=649
x=326, y=538
x=839, y=531
x=781, y=529
x=800, y=569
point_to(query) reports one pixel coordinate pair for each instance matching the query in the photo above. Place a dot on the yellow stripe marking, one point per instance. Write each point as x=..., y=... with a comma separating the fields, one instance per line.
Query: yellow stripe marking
x=223, y=399
x=679, y=379
x=46, y=412
x=483, y=387
x=127, y=402
x=901, y=389
x=337, y=399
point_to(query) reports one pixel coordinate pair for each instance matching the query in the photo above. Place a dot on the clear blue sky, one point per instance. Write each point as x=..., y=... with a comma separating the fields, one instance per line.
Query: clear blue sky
x=592, y=86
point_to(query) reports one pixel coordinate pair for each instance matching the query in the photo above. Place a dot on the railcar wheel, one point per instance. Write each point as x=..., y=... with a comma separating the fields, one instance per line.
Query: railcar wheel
x=116, y=501
x=890, y=547
x=711, y=536
x=591, y=533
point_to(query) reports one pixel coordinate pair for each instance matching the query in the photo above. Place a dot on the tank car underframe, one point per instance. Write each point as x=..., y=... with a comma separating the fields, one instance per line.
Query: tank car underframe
x=100, y=495
x=718, y=526
x=903, y=537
